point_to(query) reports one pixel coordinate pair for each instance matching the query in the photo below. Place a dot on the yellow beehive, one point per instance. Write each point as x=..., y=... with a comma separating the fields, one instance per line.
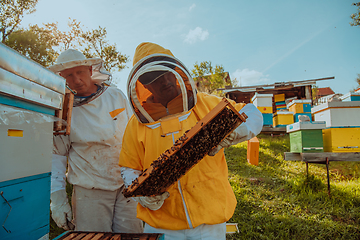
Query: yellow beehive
x=341, y=139
x=300, y=106
x=279, y=97
x=283, y=118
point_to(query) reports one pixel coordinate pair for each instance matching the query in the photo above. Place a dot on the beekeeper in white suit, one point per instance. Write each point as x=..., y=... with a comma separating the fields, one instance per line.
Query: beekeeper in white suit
x=90, y=154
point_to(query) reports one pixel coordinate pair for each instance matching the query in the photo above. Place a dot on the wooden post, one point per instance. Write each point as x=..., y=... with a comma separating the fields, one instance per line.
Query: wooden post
x=253, y=151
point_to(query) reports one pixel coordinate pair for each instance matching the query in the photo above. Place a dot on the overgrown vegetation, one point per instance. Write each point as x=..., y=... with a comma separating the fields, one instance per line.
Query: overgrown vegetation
x=277, y=200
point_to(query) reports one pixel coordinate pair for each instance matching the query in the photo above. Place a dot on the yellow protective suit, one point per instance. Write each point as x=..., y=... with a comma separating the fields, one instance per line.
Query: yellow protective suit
x=203, y=195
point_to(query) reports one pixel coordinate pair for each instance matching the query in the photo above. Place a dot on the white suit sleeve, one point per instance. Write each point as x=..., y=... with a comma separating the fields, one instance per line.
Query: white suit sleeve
x=59, y=162
x=251, y=127
x=58, y=172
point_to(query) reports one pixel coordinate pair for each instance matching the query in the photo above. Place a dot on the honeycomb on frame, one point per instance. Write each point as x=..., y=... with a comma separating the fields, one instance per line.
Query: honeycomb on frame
x=187, y=151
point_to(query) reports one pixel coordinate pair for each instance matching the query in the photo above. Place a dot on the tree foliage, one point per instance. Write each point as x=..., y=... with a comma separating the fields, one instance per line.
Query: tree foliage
x=209, y=78
x=44, y=44
x=72, y=38
x=35, y=43
x=356, y=16
x=98, y=46
x=11, y=14
x=314, y=93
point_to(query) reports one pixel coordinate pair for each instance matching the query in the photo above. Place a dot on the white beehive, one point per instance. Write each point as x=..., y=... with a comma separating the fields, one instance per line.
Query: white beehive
x=262, y=100
x=29, y=96
x=338, y=114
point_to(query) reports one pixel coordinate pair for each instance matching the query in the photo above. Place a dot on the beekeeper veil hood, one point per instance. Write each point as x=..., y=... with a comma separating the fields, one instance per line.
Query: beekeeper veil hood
x=152, y=62
x=72, y=58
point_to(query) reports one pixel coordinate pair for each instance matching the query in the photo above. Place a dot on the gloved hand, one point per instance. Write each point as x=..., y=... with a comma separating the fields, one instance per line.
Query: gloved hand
x=60, y=210
x=241, y=133
x=227, y=142
x=153, y=203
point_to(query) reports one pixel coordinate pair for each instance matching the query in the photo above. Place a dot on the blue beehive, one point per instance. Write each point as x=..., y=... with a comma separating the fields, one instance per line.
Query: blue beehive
x=267, y=119
x=29, y=96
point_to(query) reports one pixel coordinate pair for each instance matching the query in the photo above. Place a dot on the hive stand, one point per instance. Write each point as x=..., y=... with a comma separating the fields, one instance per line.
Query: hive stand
x=322, y=158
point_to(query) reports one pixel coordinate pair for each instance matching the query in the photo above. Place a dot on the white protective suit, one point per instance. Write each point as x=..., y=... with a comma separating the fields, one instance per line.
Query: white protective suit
x=92, y=150
x=94, y=143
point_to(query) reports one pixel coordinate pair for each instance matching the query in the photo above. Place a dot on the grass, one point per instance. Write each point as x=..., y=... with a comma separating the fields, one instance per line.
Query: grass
x=277, y=200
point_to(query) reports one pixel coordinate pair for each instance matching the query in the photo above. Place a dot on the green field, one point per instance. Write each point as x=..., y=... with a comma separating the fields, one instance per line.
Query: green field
x=277, y=200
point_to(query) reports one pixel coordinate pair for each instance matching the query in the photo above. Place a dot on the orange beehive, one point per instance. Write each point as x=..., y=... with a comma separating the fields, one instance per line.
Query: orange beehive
x=253, y=151
x=187, y=151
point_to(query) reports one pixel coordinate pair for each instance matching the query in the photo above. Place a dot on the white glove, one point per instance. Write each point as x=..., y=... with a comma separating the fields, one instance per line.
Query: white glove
x=129, y=175
x=153, y=203
x=60, y=210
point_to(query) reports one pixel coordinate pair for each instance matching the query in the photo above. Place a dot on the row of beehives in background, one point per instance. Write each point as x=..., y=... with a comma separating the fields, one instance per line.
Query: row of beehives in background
x=336, y=128
x=284, y=114
x=332, y=126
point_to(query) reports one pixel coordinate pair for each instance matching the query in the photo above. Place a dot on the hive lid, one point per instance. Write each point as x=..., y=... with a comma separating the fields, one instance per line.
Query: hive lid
x=305, y=101
x=187, y=151
x=328, y=105
x=24, y=79
x=305, y=126
x=283, y=113
x=260, y=95
x=349, y=94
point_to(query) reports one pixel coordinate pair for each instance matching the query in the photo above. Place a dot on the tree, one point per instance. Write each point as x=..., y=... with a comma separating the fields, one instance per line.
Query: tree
x=72, y=38
x=208, y=78
x=358, y=80
x=35, y=43
x=314, y=93
x=43, y=44
x=356, y=16
x=11, y=14
x=98, y=46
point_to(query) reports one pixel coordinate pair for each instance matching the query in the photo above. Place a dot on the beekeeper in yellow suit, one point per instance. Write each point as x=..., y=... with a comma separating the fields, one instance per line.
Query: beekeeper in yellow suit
x=92, y=150
x=166, y=104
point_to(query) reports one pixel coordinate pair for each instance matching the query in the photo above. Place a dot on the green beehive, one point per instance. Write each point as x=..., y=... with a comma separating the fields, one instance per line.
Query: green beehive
x=306, y=136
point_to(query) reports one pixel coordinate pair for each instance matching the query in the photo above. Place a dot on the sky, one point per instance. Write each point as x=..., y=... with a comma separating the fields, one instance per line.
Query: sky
x=257, y=42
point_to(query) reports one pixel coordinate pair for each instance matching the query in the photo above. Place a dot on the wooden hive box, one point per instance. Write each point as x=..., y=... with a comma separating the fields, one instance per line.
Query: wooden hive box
x=338, y=114
x=306, y=136
x=341, y=139
x=283, y=118
x=300, y=106
x=279, y=97
x=29, y=96
x=77, y=235
x=187, y=151
x=267, y=119
x=262, y=100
